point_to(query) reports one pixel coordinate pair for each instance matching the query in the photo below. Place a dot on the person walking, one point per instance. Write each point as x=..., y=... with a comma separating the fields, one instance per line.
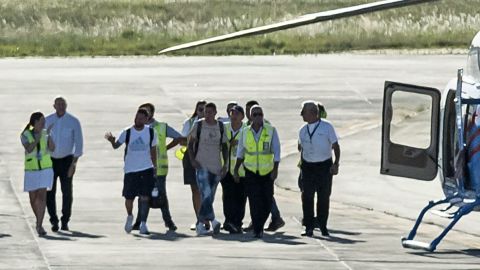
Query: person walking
x=207, y=144
x=259, y=152
x=38, y=166
x=189, y=173
x=277, y=221
x=68, y=139
x=163, y=131
x=233, y=196
x=317, y=138
x=140, y=161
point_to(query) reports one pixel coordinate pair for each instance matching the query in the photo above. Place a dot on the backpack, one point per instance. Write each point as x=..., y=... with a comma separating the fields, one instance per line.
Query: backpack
x=199, y=130
x=127, y=139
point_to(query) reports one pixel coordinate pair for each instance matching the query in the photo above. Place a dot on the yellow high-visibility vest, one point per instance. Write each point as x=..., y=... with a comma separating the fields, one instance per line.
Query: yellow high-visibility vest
x=39, y=158
x=258, y=155
x=162, y=157
x=233, y=149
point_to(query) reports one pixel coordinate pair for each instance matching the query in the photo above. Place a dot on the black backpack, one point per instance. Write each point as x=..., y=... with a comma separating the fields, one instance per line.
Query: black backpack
x=199, y=130
x=127, y=139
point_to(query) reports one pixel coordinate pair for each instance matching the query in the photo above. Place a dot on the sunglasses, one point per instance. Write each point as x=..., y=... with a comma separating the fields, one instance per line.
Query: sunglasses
x=257, y=114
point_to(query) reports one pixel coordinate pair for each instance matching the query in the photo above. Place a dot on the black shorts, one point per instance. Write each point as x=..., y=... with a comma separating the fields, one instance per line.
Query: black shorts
x=189, y=172
x=138, y=184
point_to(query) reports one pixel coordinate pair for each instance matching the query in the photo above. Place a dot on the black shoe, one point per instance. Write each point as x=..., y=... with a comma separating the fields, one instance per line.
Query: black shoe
x=65, y=227
x=170, y=225
x=230, y=227
x=324, y=232
x=249, y=228
x=258, y=235
x=275, y=225
x=136, y=226
x=307, y=232
x=55, y=227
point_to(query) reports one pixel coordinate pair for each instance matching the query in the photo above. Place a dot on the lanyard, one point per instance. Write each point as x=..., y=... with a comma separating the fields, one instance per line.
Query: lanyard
x=315, y=129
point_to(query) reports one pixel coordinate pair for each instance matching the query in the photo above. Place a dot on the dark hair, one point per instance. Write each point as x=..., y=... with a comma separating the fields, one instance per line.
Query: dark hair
x=33, y=118
x=211, y=105
x=143, y=111
x=150, y=107
x=251, y=103
x=200, y=102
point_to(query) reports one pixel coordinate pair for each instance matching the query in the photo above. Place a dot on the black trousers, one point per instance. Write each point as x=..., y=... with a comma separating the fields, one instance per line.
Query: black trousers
x=259, y=191
x=316, y=178
x=60, y=170
x=234, y=200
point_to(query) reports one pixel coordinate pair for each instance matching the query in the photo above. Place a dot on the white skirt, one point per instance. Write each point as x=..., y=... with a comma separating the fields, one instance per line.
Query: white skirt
x=34, y=180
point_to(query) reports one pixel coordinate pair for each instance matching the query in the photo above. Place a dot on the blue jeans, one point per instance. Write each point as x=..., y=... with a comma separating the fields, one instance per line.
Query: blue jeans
x=207, y=183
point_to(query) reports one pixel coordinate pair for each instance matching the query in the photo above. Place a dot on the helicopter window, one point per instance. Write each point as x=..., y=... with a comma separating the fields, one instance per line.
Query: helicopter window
x=411, y=116
x=473, y=65
x=450, y=136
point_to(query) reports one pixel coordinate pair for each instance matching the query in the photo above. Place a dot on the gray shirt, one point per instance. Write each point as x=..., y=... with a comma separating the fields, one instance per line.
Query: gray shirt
x=66, y=134
x=275, y=144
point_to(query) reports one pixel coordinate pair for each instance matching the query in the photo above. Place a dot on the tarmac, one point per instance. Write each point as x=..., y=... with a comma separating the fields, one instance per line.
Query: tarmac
x=369, y=212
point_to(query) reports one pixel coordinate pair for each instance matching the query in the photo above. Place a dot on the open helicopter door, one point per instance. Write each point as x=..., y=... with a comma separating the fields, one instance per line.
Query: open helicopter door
x=410, y=130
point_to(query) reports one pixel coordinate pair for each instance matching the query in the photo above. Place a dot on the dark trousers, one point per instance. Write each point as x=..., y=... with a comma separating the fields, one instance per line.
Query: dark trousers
x=259, y=191
x=60, y=170
x=160, y=183
x=316, y=178
x=234, y=200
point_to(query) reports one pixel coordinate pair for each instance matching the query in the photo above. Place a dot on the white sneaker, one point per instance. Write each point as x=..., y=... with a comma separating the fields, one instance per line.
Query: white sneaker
x=143, y=228
x=201, y=229
x=216, y=227
x=129, y=224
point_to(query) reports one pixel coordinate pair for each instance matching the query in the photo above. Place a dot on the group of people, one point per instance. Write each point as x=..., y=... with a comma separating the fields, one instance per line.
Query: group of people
x=243, y=156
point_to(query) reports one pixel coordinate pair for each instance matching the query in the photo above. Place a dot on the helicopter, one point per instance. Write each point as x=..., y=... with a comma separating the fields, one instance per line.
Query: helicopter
x=451, y=144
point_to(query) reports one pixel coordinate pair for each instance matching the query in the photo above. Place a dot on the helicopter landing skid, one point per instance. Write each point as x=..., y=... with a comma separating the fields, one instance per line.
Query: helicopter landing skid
x=463, y=210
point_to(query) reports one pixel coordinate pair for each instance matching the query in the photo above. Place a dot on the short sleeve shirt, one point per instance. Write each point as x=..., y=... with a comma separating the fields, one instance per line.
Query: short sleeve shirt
x=138, y=155
x=209, y=153
x=316, y=141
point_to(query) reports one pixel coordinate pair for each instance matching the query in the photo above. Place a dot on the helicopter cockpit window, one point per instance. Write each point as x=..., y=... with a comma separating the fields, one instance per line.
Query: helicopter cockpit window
x=411, y=119
x=472, y=71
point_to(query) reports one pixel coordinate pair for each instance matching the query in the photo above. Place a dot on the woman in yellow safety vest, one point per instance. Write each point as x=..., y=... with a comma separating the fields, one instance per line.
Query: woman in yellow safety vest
x=38, y=165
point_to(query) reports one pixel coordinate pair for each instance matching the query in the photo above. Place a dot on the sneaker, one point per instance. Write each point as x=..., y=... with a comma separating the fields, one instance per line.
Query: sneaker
x=231, y=228
x=128, y=224
x=143, y=228
x=275, y=225
x=171, y=225
x=324, y=232
x=136, y=226
x=193, y=227
x=216, y=227
x=200, y=228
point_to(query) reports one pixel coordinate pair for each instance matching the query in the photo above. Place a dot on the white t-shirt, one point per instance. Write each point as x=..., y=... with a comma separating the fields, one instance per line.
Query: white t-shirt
x=316, y=140
x=138, y=155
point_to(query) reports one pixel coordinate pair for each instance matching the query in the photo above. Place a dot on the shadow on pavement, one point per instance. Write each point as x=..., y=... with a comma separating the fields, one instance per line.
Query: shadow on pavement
x=168, y=236
x=2, y=235
x=78, y=234
x=343, y=232
x=52, y=237
x=276, y=238
x=438, y=254
x=337, y=239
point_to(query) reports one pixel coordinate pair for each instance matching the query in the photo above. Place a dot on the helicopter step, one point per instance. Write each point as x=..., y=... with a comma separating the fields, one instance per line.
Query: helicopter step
x=408, y=242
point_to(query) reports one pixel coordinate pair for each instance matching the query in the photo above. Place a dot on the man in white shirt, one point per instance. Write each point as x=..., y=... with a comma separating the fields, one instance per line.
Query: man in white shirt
x=140, y=160
x=317, y=138
x=67, y=134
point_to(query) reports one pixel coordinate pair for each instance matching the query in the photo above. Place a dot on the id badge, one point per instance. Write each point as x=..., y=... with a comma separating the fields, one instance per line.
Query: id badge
x=266, y=145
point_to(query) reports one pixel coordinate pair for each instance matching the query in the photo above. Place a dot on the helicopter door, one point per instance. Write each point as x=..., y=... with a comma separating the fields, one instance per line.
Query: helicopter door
x=410, y=131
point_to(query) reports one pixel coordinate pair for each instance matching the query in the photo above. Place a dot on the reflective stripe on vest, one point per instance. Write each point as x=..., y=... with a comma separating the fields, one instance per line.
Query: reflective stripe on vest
x=258, y=155
x=38, y=159
x=162, y=157
x=233, y=149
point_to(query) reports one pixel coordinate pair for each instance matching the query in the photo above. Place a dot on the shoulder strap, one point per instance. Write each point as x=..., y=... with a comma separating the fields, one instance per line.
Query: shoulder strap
x=150, y=129
x=220, y=125
x=127, y=140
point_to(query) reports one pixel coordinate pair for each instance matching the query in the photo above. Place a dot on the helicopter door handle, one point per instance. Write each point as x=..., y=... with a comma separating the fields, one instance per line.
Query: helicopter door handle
x=409, y=153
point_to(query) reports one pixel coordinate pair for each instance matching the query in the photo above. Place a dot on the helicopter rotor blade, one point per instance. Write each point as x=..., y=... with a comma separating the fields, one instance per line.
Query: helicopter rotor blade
x=302, y=20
